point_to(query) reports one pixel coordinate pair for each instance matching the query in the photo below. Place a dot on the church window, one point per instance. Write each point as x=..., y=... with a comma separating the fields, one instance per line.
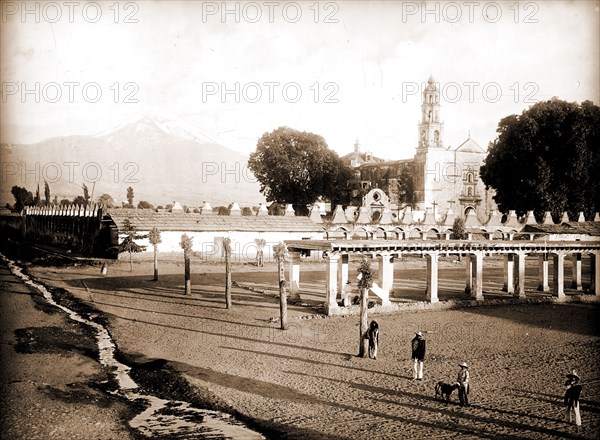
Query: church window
x=470, y=191
x=470, y=177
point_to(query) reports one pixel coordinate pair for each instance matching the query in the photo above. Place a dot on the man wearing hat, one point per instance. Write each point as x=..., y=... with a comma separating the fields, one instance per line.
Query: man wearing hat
x=418, y=355
x=572, y=398
x=463, y=383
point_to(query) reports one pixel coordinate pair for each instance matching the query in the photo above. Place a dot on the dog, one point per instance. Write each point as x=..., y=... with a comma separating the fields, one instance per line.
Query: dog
x=444, y=390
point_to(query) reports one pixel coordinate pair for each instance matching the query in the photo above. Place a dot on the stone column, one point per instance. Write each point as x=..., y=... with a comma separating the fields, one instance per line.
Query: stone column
x=343, y=280
x=469, y=274
x=519, y=290
x=294, y=275
x=595, y=273
x=386, y=272
x=432, y=276
x=576, y=271
x=477, y=265
x=508, y=273
x=331, y=277
x=543, y=273
x=558, y=281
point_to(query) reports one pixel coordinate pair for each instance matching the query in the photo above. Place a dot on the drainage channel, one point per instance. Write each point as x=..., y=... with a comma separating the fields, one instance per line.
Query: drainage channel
x=173, y=419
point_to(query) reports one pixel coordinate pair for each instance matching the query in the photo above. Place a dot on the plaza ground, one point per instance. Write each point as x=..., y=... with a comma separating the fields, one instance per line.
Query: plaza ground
x=307, y=382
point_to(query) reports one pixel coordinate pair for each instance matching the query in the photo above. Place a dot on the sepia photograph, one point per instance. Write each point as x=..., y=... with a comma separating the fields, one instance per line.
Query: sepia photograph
x=312, y=219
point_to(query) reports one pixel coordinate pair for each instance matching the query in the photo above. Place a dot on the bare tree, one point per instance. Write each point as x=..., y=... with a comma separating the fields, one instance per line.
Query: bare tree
x=154, y=239
x=186, y=244
x=227, y=249
x=281, y=254
x=365, y=281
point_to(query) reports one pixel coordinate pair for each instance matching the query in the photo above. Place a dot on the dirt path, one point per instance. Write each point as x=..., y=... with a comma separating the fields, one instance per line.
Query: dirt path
x=52, y=384
x=307, y=383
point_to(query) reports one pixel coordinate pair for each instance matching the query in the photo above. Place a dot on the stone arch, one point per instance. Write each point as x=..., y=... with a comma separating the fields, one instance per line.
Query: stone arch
x=361, y=233
x=433, y=233
x=380, y=232
x=468, y=209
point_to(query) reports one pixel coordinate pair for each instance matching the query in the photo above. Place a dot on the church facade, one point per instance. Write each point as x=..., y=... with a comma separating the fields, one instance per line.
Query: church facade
x=438, y=178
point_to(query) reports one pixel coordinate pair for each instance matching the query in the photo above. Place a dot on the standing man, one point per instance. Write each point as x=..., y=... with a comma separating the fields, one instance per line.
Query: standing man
x=418, y=355
x=463, y=384
x=572, y=398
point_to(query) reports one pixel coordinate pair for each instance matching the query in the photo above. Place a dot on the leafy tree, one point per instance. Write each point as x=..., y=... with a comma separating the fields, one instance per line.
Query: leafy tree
x=86, y=194
x=365, y=282
x=37, y=201
x=130, y=197
x=297, y=167
x=79, y=201
x=221, y=210
x=154, y=239
x=547, y=159
x=145, y=205
x=46, y=193
x=106, y=200
x=406, y=189
x=247, y=211
x=186, y=244
x=65, y=202
x=458, y=229
x=22, y=197
x=128, y=244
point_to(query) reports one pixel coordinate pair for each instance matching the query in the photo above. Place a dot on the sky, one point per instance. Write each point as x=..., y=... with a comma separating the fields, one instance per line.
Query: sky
x=344, y=70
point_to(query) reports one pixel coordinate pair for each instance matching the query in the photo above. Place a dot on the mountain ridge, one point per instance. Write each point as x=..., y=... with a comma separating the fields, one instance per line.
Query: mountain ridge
x=162, y=159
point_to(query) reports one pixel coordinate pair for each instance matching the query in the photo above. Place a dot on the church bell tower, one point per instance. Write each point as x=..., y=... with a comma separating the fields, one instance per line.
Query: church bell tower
x=430, y=127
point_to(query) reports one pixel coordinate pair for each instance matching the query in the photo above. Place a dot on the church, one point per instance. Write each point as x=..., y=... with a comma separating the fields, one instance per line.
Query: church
x=437, y=178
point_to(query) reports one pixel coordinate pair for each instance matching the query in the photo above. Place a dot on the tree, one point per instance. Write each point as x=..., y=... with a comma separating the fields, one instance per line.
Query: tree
x=128, y=244
x=145, y=205
x=154, y=239
x=130, y=197
x=79, y=201
x=247, y=211
x=86, y=194
x=36, y=198
x=365, y=282
x=298, y=167
x=186, y=244
x=281, y=255
x=46, y=193
x=65, y=202
x=547, y=159
x=260, y=245
x=406, y=189
x=227, y=250
x=106, y=200
x=22, y=197
x=458, y=229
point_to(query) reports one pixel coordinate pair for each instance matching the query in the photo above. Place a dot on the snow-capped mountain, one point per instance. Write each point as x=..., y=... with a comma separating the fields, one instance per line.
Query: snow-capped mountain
x=149, y=125
x=164, y=159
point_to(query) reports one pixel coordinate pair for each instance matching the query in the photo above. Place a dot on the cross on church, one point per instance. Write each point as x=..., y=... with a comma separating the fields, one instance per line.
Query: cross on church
x=451, y=202
x=434, y=205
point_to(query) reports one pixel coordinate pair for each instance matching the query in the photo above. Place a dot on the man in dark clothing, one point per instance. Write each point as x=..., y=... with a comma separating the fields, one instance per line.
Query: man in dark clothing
x=418, y=355
x=572, y=394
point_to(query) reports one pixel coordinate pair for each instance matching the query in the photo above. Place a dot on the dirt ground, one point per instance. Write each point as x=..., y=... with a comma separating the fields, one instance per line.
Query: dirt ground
x=307, y=382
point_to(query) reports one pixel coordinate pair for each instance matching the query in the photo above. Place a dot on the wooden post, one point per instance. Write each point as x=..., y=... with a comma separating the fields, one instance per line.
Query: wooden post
x=227, y=249
x=280, y=255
